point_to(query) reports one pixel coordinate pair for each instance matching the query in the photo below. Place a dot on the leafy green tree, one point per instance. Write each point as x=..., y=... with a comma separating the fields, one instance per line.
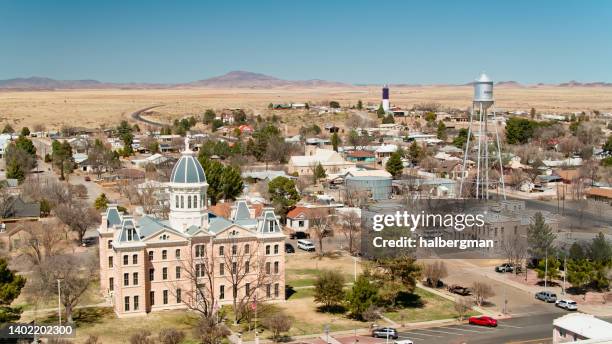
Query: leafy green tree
x=10, y=288
x=334, y=104
x=165, y=130
x=335, y=141
x=101, y=203
x=8, y=129
x=394, y=276
x=126, y=135
x=61, y=155
x=380, y=112
x=283, y=194
x=441, y=131
x=415, y=152
x=329, y=288
x=359, y=105
x=394, y=165
x=15, y=170
x=532, y=113
x=579, y=272
x=461, y=138
x=540, y=237
x=262, y=137
x=576, y=251
x=216, y=124
x=363, y=295
x=600, y=249
x=519, y=130
x=388, y=119
x=553, y=268
x=25, y=131
x=231, y=183
x=26, y=145
x=430, y=116
x=318, y=173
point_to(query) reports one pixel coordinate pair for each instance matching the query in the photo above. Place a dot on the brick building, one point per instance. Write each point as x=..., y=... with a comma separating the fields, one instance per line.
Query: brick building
x=195, y=258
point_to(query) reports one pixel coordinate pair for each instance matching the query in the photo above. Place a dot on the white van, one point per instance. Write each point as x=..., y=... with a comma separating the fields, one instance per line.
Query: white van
x=306, y=245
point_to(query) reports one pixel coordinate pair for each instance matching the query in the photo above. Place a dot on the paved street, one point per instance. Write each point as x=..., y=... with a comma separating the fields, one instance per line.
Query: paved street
x=534, y=329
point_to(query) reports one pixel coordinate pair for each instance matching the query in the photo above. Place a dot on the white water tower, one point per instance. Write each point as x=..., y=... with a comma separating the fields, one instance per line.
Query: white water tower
x=477, y=163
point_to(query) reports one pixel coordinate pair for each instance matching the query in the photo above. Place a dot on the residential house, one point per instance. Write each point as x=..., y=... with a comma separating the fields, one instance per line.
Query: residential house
x=331, y=161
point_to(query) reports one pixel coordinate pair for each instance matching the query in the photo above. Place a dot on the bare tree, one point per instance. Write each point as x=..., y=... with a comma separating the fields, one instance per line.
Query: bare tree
x=482, y=292
x=74, y=273
x=92, y=339
x=515, y=249
x=462, y=306
x=198, y=269
x=246, y=272
x=320, y=227
x=351, y=227
x=78, y=217
x=277, y=323
x=434, y=272
x=45, y=239
x=142, y=337
x=209, y=331
x=171, y=336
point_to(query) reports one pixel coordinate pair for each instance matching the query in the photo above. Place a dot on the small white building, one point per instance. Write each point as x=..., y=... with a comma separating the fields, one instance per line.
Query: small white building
x=578, y=327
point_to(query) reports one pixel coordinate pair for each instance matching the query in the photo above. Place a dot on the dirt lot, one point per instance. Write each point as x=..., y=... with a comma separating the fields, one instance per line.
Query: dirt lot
x=95, y=108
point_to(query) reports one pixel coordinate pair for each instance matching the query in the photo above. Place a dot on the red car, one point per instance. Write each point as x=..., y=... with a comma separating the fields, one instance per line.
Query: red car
x=483, y=321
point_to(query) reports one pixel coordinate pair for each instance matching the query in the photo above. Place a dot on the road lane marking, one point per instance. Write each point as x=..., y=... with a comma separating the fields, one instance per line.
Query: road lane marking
x=462, y=329
x=413, y=338
x=423, y=334
x=479, y=328
x=438, y=331
x=504, y=325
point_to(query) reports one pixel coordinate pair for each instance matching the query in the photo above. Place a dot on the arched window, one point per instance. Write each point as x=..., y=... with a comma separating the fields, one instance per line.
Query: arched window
x=182, y=202
x=176, y=203
x=195, y=201
x=188, y=202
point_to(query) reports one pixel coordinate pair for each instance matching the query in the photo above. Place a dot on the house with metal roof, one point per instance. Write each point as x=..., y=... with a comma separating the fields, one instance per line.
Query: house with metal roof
x=193, y=259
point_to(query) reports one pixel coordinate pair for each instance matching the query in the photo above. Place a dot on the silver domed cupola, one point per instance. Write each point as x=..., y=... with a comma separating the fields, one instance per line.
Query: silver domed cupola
x=187, y=186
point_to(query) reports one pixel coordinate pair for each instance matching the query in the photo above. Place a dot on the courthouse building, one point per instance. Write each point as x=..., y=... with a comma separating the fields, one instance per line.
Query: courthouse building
x=193, y=259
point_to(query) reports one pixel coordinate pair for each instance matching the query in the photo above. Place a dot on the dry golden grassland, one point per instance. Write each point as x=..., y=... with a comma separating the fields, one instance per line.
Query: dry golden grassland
x=95, y=108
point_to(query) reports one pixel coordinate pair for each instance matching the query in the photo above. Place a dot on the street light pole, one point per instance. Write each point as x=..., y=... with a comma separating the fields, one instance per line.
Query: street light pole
x=546, y=269
x=59, y=302
x=354, y=269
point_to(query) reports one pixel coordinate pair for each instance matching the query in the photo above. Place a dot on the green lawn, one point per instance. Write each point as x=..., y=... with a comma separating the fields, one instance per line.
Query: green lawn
x=432, y=307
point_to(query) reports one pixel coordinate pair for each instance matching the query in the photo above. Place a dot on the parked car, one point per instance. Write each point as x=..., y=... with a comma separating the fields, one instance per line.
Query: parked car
x=403, y=341
x=439, y=284
x=506, y=267
x=86, y=242
x=385, y=332
x=546, y=296
x=306, y=245
x=457, y=289
x=299, y=235
x=483, y=321
x=566, y=304
x=289, y=248
x=87, y=178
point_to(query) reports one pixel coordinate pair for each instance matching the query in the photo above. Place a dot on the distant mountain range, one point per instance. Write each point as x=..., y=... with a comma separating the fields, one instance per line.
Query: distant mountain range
x=234, y=79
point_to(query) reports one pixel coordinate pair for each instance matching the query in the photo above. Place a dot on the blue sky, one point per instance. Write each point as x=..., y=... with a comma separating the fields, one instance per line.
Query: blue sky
x=352, y=41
